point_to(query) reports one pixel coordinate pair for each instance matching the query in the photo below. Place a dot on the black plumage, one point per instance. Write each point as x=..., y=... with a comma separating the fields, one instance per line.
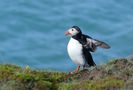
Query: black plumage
x=88, y=57
x=88, y=46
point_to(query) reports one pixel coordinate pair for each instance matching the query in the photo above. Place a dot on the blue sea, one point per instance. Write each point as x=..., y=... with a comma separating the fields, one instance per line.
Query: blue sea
x=32, y=31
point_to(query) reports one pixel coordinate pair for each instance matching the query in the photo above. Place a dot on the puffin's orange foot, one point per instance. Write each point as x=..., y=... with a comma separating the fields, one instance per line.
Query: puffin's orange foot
x=76, y=71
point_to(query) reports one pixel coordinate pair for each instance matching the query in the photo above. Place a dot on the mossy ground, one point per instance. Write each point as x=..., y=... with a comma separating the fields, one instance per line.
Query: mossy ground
x=115, y=75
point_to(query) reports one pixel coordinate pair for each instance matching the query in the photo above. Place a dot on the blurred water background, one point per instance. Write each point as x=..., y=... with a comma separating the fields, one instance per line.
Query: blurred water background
x=32, y=31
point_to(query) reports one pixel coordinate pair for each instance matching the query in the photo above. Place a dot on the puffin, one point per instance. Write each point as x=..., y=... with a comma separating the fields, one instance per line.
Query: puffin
x=80, y=47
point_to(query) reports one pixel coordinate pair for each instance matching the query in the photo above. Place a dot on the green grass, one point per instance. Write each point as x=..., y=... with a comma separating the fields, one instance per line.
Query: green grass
x=108, y=83
x=28, y=78
x=116, y=74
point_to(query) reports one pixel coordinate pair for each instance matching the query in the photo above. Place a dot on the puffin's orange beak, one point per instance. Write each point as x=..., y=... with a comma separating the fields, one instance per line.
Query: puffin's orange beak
x=67, y=33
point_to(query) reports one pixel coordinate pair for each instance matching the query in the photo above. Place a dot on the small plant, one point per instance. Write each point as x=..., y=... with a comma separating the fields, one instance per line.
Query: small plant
x=117, y=74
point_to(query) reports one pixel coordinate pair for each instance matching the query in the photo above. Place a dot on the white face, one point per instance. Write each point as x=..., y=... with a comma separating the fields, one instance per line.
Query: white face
x=71, y=32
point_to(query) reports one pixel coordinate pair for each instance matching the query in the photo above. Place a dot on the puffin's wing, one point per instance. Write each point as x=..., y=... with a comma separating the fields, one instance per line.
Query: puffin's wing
x=93, y=43
x=90, y=45
x=100, y=44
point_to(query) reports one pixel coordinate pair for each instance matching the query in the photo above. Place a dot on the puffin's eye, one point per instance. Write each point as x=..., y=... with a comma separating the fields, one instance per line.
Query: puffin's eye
x=72, y=30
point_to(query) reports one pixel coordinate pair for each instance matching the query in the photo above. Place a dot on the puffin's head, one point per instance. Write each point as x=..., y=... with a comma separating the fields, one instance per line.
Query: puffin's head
x=73, y=31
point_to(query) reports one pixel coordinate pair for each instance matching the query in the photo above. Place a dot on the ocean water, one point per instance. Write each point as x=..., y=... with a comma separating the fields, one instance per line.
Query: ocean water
x=32, y=31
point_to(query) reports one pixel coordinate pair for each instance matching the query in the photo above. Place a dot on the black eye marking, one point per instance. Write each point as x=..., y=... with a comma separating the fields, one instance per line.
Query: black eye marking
x=72, y=29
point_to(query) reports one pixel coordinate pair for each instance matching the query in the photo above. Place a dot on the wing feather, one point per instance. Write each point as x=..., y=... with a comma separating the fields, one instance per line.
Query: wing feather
x=92, y=44
x=101, y=44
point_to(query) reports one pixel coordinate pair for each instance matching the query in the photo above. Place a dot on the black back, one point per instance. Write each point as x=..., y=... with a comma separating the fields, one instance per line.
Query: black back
x=86, y=51
x=88, y=57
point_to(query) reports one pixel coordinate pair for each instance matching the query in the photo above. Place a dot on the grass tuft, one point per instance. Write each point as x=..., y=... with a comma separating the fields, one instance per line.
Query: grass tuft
x=115, y=75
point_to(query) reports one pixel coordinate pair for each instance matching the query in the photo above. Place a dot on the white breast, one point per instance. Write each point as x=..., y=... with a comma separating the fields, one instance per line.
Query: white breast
x=75, y=52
